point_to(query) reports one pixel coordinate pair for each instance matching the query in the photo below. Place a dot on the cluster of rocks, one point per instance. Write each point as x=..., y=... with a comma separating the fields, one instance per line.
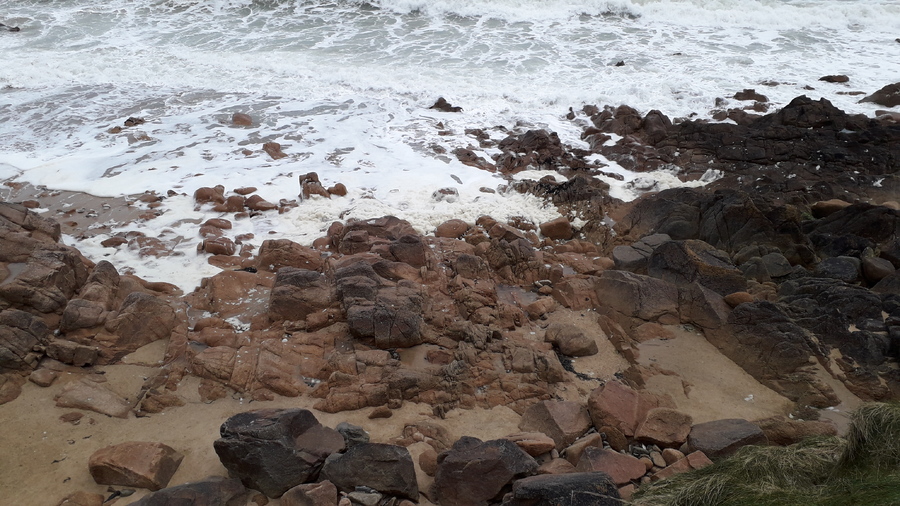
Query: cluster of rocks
x=781, y=275
x=568, y=453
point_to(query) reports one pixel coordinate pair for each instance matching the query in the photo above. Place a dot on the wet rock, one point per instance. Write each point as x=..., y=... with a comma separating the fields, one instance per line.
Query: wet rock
x=257, y=203
x=241, y=119
x=218, y=246
x=386, y=468
x=135, y=464
x=212, y=491
x=21, y=333
x=721, y=438
x=442, y=105
x=206, y=194
x=277, y=253
x=92, y=396
x=310, y=185
x=558, y=229
x=575, y=489
x=273, y=149
x=476, y=473
x=620, y=468
x=571, y=340
x=749, y=94
x=453, y=229
x=274, y=450
x=888, y=96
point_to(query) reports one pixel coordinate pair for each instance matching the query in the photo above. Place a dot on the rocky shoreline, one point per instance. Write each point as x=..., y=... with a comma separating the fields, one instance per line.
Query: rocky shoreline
x=591, y=338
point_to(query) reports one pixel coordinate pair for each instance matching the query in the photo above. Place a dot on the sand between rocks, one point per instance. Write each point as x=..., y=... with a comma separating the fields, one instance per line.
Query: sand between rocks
x=46, y=459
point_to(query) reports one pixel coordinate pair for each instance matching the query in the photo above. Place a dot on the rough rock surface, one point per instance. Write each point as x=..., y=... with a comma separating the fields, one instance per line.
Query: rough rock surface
x=135, y=464
x=721, y=438
x=386, y=468
x=274, y=450
x=475, y=472
x=573, y=489
x=212, y=491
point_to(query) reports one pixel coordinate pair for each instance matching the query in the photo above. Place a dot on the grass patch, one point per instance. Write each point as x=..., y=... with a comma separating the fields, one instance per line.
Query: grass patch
x=860, y=469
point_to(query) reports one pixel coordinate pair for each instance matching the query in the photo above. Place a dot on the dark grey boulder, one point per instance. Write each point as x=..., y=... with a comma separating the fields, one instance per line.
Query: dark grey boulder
x=273, y=450
x=686, y=262
x=843, y=268
x=385, y=468
x=573, y=489
x=212, y=491
x=721, y=438
x=475, y=473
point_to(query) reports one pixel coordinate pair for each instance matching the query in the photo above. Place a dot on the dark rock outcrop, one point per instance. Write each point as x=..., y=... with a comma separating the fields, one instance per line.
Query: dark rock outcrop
x=274, y=450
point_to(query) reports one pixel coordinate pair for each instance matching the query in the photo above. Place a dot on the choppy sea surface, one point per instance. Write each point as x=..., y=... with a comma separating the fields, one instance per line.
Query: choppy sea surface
x=345, y=88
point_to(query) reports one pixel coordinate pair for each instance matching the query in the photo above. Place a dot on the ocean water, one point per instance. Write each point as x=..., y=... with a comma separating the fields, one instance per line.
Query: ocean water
x=345, y=88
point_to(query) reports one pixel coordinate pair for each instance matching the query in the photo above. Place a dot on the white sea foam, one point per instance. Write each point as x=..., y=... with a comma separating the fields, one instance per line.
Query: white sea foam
x=345, y=87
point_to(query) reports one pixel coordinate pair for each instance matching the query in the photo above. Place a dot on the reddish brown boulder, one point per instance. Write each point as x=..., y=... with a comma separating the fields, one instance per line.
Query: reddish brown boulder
x=453, y=229
x=618, y=406
x=218, y=246
x=135, y=464
x=206, y=194
x=310, y=185
x=298, y=293
x=665, y=427
x=323, y=493
x=574, y=451
x=571, y=340
x=563, y=421
x=277, y=253
x=621, y=468
x=273, y=149
x=474, y=473
x=338, y=189
x=783, y=431
x=257, y=203
x=241, y=119
x=534, y=443
x=558, y=229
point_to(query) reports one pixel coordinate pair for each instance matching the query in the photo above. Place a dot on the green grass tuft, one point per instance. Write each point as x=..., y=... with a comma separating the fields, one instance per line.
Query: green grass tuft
x=861, y=469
